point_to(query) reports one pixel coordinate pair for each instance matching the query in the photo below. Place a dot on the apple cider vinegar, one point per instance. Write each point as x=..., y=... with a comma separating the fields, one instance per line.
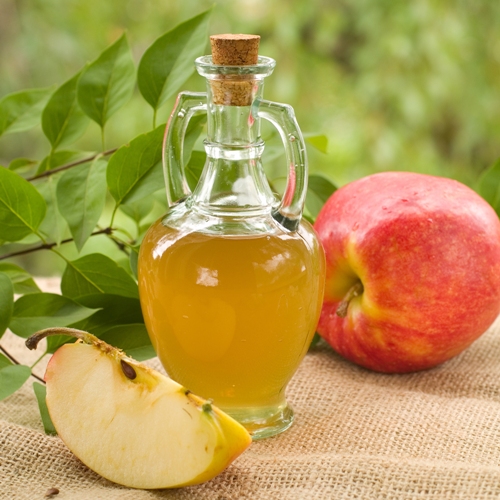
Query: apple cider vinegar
x=230, y=317
x=231, y=278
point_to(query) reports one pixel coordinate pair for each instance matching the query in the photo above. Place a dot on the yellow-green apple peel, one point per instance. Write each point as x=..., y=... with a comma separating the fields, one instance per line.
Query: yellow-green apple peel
x=131, y=424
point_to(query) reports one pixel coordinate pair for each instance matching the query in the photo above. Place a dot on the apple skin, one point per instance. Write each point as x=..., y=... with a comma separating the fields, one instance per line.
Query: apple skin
x=131, y=424
x=427, y=253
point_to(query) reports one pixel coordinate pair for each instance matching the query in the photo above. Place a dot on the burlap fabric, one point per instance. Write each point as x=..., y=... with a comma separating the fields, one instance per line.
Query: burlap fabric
x=357, y=435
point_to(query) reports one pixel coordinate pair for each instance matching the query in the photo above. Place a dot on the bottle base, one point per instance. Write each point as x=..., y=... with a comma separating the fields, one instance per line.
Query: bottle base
x=263, y=423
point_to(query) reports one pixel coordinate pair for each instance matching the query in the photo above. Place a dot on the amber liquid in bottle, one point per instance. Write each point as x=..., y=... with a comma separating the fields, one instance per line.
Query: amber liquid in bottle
x=231, y=316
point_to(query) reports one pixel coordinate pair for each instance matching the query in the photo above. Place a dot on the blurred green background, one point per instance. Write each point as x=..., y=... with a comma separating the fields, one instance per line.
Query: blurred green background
x=395, y=85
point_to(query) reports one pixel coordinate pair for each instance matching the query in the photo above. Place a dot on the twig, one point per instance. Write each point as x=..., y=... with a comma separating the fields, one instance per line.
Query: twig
x=69, y=165
x=16, y=362
x=122, y=246
x=48, y=246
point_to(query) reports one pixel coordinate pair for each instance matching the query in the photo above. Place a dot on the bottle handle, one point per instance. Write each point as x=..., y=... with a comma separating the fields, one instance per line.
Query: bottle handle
x=289, y=212
x=187, y=105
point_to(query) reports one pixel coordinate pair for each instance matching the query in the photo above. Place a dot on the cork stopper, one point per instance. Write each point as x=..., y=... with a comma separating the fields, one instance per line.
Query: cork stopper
x=234, y=50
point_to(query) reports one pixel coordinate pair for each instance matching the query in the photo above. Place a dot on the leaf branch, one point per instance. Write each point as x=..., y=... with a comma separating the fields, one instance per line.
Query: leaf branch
x=49, y=246
x=123, y=245
x=72, y=164
x=16, y=362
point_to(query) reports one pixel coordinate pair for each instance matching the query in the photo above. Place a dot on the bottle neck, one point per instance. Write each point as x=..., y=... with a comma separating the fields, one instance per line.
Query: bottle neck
x=230, y=125
x=233, y=181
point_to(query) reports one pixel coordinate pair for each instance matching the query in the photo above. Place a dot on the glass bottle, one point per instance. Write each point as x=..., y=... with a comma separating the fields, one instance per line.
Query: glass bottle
x=231, y=279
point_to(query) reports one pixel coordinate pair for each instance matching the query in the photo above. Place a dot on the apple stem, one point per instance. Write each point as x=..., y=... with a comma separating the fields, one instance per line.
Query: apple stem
x=355, y=291
x=33, y=340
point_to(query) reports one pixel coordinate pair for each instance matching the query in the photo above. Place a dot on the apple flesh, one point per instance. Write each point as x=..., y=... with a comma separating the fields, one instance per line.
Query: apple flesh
x=131, y=424
x=413, y=270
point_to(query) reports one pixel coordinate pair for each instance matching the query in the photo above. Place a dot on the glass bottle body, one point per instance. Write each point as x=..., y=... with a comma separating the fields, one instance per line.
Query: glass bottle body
x=230, y=296
x=232, y=316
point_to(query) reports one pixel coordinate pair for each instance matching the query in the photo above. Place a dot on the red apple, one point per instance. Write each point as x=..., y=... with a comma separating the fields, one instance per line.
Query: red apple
x=413, y=270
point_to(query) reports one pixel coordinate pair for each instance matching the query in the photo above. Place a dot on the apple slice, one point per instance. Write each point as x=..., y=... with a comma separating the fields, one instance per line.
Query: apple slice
x=131, y=424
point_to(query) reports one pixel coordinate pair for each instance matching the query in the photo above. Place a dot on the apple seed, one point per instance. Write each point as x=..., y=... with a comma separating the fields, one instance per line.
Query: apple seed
x=128, y=370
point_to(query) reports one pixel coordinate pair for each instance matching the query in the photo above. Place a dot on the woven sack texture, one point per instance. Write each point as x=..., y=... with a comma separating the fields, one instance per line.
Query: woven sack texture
x=433, y=435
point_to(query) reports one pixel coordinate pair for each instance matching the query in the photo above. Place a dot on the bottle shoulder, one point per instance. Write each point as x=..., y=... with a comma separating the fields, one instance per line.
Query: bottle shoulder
x=183, y=223
x=184, y=219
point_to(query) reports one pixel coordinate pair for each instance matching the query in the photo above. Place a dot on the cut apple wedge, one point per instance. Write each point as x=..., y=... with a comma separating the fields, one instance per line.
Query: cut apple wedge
x=131, y=424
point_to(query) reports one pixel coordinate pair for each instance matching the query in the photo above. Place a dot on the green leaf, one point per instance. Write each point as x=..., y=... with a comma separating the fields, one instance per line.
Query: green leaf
x=19, y=163
x=314, y=341
x=53, y=225
x=113, y=310
x=194, y=168
x=22, y=281
x=107, y=83
x=160, y=197
x=135, y=171
x=133, y=339
x=193, y=131
x=60, y=158
x=319, y=189
x=149, y=183
x=41, y=394
x=489, y=186
x=6, y=302
x=31, y=239
x=81, y=193
x=95, y=273
x=168, y=62
x=4, y=361
x=21, y=110
x=56, y=341
x=320, y=142
x=63, y=121
x=22, y=207
x=138, y=210
x=134, y=258
x=12, y=378
x=37, y=311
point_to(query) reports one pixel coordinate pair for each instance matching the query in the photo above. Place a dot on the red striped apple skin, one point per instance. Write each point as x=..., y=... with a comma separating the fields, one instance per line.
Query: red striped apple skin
x=427, y=253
